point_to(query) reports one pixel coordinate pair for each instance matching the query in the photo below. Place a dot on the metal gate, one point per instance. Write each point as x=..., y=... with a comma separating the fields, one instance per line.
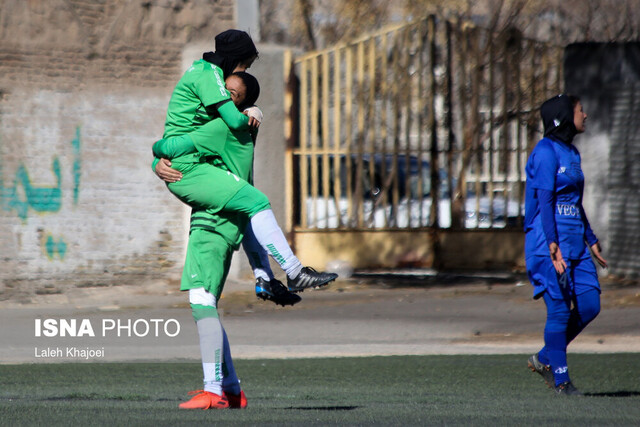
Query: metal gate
x=420, y=126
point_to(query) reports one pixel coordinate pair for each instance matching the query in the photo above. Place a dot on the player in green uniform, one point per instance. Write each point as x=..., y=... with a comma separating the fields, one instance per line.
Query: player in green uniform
x=205, y=186
x=199, y=97
x=233, y=157
x=213, y=237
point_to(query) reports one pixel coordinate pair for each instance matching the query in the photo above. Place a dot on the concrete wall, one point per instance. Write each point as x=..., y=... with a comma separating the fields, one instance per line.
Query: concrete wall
x=606, y=76
x=83, y=94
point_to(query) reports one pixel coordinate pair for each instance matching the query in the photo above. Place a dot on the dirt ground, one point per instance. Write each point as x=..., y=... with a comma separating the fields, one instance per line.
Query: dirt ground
x=413, y=312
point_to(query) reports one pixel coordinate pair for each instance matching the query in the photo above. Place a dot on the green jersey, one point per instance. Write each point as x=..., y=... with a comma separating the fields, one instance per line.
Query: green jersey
x=190, y=123
x=208, y=189
x=231, y=150
x=201, y=86
x=234, y=148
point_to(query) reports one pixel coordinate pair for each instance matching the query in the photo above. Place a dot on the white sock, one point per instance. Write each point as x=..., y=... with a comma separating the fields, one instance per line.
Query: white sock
x=211, y=337
x=211, y=343
x=271, y=238
x=258, y=257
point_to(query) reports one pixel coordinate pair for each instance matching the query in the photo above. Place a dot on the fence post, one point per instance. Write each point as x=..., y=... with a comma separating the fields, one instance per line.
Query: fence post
x=291, y=134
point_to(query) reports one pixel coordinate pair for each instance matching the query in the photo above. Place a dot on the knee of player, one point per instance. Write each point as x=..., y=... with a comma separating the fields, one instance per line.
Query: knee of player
x=201, y=312
x=591, y=310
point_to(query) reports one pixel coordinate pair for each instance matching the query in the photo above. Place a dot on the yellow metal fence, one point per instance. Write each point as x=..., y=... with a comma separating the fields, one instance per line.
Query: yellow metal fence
x=425, y=124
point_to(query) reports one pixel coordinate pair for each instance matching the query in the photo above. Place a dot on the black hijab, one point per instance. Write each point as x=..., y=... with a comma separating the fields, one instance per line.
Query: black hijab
x=232, y=48
x=557, y=117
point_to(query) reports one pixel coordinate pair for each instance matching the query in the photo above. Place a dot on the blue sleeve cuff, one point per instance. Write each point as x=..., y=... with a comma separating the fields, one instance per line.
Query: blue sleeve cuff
x=590, y=237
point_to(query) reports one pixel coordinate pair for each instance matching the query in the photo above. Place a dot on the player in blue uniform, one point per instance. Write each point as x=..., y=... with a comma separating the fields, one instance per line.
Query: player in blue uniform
x=558, y=239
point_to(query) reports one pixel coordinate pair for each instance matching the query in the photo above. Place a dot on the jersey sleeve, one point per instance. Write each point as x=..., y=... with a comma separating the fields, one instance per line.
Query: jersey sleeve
x=233, y=118
x=546, y=201
x=210, y=88
x=212, y=92
x=171, y=148
x=545, y=166
x=589, y=235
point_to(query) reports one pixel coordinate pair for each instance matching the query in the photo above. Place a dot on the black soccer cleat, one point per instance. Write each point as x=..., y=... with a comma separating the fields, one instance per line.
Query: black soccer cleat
x=545, y=370
x=275, y=291
x=567, y=389
x=310, y=278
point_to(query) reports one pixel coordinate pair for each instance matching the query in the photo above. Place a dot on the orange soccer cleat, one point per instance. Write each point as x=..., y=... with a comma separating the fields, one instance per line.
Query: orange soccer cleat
x=205, y=400
x=236, y=401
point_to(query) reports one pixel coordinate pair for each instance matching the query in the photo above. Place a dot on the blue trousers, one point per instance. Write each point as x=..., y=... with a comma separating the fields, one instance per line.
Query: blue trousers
x=572, y=300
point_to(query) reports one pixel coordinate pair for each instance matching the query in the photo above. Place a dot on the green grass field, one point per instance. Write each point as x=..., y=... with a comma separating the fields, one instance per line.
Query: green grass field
x=408, y=390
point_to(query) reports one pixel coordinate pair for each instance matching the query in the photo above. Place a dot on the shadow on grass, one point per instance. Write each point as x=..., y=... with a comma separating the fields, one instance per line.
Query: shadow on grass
x=615, y=394
x=324, y=408
x=99, y=396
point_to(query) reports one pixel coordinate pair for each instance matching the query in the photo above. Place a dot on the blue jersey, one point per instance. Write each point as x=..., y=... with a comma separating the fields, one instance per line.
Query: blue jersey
x=555, y=166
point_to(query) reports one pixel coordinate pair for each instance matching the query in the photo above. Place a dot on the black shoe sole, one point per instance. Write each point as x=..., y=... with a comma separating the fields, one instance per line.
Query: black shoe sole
x=266, y=297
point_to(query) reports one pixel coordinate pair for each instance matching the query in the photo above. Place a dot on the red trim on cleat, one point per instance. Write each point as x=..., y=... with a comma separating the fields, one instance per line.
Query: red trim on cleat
x=236, y=401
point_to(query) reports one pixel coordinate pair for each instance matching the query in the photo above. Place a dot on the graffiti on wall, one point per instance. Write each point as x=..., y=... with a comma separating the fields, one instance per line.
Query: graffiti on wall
x=53, y=247
x=21, y=196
